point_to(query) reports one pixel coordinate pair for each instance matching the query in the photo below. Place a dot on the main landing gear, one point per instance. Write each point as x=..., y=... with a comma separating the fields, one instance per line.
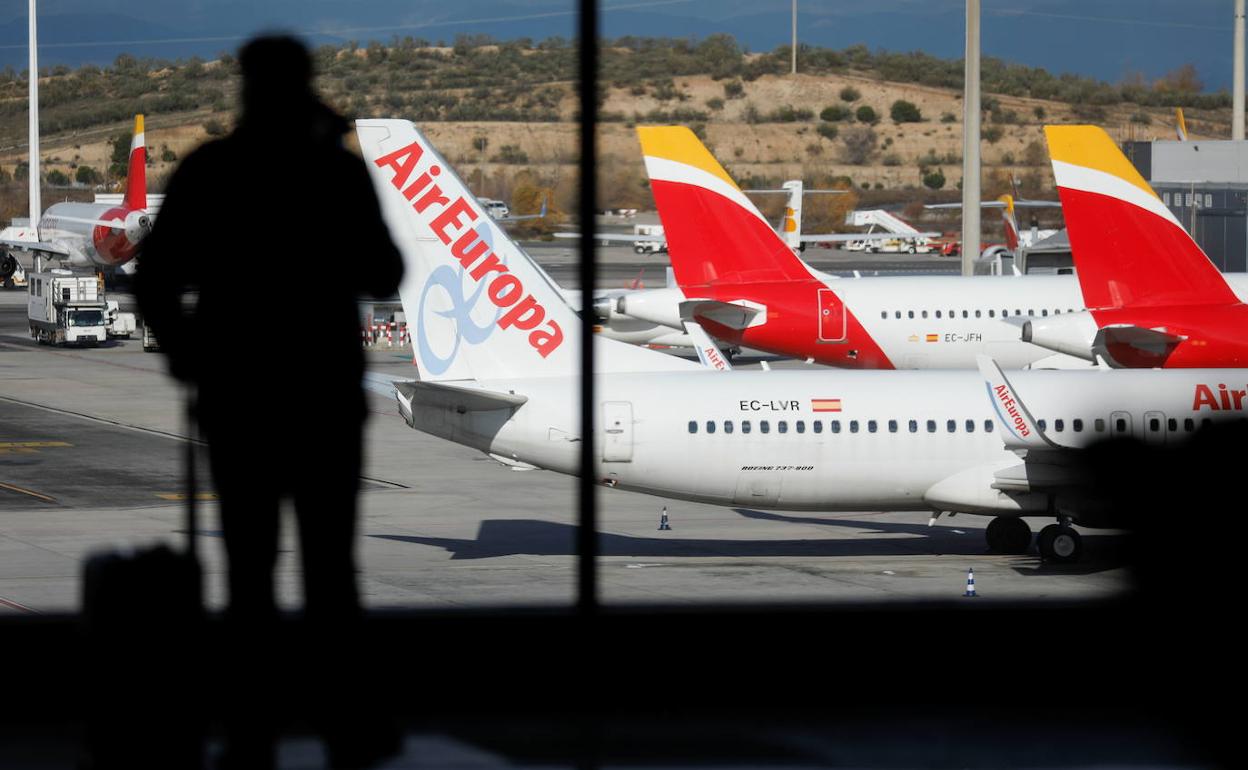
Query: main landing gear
x=1058, y=543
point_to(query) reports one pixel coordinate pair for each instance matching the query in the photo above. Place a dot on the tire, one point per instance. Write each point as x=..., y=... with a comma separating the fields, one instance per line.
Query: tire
x=1060, y=544
x=1008, y=534
x=910, y=250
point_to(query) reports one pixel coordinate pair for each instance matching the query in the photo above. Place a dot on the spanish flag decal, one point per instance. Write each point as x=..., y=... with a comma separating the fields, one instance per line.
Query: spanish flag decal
x=825, y=404
x=933, y=338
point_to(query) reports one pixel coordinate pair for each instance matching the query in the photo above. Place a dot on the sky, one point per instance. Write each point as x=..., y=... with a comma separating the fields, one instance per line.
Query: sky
x=1107, y=39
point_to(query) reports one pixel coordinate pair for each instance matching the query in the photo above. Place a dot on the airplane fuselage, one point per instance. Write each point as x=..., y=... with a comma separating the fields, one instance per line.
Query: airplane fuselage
x=795, y=440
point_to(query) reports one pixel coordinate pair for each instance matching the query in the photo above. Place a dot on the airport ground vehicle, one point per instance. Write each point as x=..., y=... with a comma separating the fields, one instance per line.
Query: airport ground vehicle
x=965, y=442
x=121, y=324
x=67, y=308
x=649, y=247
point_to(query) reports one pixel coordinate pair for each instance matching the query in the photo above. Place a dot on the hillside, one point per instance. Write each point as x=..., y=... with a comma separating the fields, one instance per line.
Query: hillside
x=505, y=114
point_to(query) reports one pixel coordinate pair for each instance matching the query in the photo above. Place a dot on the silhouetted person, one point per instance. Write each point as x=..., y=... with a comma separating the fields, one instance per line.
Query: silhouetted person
x=274, y=232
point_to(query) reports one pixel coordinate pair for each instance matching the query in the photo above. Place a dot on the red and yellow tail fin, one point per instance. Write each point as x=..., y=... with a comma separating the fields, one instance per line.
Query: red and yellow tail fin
x=136, y=171
x=714, y=233
x=1129, y=249
x=1010, y=222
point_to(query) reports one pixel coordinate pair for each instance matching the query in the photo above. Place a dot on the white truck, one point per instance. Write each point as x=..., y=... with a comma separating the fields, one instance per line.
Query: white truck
x=649, y=247
x=66, y=308
x=120, y=324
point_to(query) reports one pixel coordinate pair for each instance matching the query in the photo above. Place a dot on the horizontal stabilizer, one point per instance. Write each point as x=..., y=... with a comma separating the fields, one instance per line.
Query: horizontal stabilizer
x=735, y=315
x=708, y=352
x=461, y=399
x=876, y=236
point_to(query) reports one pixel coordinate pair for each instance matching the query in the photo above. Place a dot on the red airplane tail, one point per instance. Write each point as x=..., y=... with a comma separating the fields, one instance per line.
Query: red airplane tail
x=1129, y=249
x=714, y=233
x=136, y=171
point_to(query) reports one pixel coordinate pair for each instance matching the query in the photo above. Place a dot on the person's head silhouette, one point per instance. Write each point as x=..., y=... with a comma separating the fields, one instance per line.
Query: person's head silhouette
x=277, y=77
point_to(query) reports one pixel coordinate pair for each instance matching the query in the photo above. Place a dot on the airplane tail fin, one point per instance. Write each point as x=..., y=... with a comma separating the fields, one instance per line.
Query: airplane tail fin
x=1180, y=125
x=481, y=308
x=136, y=171
x=1010, y=222
x=791, y=229
x=714, y=232
x=1129, y=249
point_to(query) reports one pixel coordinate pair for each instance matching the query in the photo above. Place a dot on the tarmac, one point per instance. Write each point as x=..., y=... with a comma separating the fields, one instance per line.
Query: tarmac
x=91, y=444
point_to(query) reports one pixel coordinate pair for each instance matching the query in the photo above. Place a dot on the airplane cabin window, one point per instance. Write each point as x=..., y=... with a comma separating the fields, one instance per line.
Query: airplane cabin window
x=1172, y=425
x=1077, y=425
x=1059, y=425
x=817, y=426
x=1099, y=425
x=801, y=426
x=764, y=426
x=992, y=314
x=1044, y=312
x=897, y=314
x=987, y=426
x=1120, y=425
x=693, y=426
x=1189, y=424
x=1030, y=312
x=951, y=426
x=1042, y=425
x=910, y=313
x=892, y=426
x=782, y=426
x=871, y=426
x=727, y=426
x=931, y=426
x=884, y=314
x=924, y=314
x=938, y=314
x=853, y=426
x=835, y=426
x=1017, y=311
x=914, y=426
x=745, y=426
x=710, y=426
x=1154, y=424
x=970, y=426
x=1205, y=422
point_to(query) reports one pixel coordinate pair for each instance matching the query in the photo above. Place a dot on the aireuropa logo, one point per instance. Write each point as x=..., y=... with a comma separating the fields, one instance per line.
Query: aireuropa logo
x=467, y=329
x=450, y=221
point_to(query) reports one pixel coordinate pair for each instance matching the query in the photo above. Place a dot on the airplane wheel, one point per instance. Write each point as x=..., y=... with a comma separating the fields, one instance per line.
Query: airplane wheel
x=1059, y=544
x=1008, y=534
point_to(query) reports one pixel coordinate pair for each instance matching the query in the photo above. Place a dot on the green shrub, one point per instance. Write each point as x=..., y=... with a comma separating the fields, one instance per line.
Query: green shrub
x=903, y=111
x=835, y=113
x=850, y=94
x=865, y=114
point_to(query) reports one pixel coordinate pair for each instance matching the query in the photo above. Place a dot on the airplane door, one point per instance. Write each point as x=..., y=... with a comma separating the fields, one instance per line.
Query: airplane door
x=1155, y=427
x=831, y=317
x=1120, y=424
x=617, y=424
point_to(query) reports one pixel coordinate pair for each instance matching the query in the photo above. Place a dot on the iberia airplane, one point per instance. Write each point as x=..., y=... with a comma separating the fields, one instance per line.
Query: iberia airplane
x=740, y=280
x=497, y=356
x=98, y=235
x=1154, y=298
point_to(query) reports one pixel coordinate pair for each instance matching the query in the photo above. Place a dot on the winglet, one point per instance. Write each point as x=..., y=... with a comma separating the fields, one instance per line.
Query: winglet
x=1019, y=429
x=708, y=352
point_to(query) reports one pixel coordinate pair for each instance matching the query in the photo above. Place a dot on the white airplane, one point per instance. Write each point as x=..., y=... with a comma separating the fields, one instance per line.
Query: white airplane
x=97, y=235
x=743, y=283
x=497, y=355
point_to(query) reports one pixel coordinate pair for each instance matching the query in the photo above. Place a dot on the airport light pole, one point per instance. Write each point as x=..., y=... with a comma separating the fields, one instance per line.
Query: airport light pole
x=1237, y=80
x=36, y=205
x=793, y=48
x=970, y=142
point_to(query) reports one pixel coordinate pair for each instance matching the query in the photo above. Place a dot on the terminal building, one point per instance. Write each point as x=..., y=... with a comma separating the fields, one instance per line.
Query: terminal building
x=1205, y=185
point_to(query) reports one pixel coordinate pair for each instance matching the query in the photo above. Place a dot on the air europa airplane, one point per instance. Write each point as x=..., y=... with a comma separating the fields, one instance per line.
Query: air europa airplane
x=98, y=235
x=1154, y=299
x=824, y=440
x=745, y=286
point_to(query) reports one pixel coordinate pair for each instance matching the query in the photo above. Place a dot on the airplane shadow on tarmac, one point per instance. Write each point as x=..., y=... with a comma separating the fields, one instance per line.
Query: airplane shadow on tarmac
x=531, y=537
x=528, y=537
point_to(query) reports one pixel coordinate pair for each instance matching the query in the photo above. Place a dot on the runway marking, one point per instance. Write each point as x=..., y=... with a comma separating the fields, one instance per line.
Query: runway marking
x=28, y=447
x=182, y=495
x=17, y=606
x=24, y=491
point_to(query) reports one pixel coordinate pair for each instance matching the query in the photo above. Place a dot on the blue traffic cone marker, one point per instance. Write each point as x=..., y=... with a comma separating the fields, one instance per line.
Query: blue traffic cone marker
x=970, y=582
x=663, y=525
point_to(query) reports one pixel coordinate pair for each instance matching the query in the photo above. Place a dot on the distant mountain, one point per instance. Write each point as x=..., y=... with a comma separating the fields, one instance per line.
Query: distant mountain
x=1108, y=39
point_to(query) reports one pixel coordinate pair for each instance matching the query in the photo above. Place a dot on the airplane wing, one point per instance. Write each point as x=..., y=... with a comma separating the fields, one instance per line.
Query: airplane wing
x=522, y=217
x=1023, y=204
x=461, y=399
x=36, y=247
x=708, y=352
